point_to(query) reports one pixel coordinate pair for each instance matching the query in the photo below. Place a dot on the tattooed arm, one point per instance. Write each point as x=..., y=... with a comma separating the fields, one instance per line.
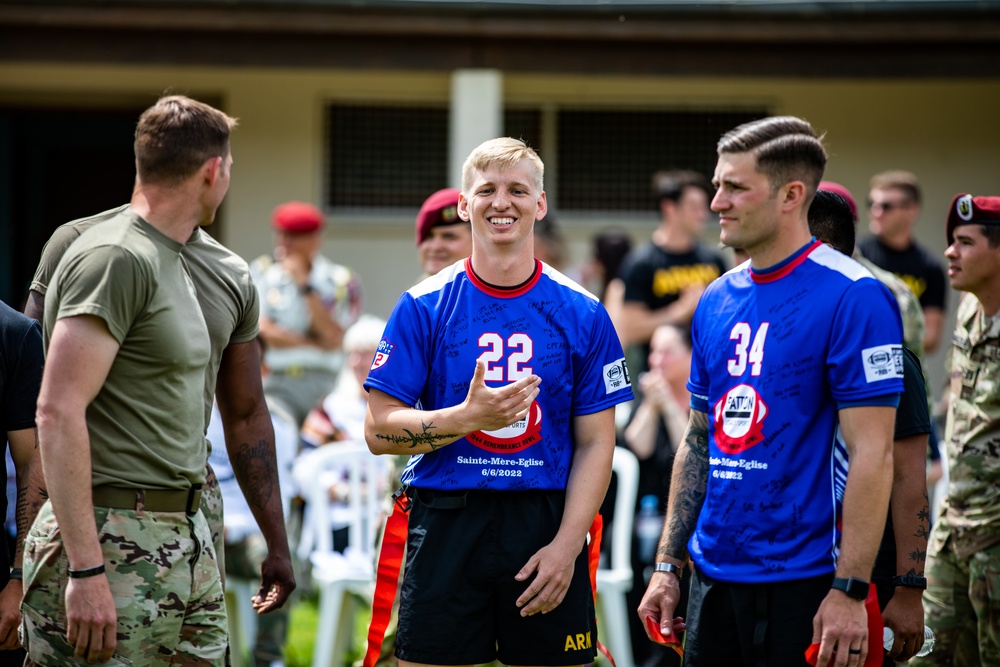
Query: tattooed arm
x=392, y=427
x=911, y=525
x=30, y=497
x=687, y=494
x=250, y=444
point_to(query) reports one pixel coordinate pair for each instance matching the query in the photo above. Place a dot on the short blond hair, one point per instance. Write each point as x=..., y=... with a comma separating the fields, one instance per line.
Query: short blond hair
x=503, y=152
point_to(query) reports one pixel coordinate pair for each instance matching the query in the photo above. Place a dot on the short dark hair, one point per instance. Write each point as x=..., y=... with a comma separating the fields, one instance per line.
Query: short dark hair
x=670, y=185
x=786, y=149
x=176, y=136
x=830, y=221
x=899, y=180
x=992, y=234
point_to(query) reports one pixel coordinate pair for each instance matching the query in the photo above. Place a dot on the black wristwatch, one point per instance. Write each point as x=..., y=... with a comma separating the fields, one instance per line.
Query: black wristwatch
x=853, y=587
x=910, y=581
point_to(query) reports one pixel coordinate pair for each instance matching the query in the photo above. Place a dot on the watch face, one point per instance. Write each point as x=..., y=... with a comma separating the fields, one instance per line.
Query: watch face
x=856, y=588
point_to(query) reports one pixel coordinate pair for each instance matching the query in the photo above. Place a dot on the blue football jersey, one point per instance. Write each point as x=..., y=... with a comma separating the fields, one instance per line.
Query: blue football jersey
x=550, y=327
x=776, y=354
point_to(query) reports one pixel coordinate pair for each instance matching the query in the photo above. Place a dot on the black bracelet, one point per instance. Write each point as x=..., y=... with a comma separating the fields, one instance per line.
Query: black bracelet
x=910, y=581
x=16, y=573
x=307, y=289
x=89, y=572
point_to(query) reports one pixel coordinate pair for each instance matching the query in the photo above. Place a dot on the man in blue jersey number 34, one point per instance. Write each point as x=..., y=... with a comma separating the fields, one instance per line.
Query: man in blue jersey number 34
x=781, y=485
x=499, y=376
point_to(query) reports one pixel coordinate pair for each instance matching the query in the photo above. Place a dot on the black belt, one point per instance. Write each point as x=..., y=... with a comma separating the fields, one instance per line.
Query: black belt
x=152, y=500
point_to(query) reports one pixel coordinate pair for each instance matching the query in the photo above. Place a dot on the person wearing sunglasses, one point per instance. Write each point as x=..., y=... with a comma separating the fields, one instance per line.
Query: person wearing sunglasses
x=894, y=204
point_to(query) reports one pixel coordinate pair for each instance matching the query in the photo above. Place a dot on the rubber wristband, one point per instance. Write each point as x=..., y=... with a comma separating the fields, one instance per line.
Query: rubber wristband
x=89, y=572
x=16, y=573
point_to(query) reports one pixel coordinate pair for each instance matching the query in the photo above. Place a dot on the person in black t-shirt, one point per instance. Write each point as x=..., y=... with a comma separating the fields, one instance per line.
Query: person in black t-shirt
x=894, y=207
x=665, y=278
x=20, y=376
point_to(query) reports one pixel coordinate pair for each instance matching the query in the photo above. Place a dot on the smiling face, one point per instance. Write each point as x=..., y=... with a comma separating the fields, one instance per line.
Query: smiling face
x=973, y=265
x=444, y=246
x=502, y=205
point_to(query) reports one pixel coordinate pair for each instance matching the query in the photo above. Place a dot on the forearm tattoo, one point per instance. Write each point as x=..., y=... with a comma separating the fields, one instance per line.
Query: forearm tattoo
x=688, y=484
x=426, y=437
x=257, y=469
x=919, y=556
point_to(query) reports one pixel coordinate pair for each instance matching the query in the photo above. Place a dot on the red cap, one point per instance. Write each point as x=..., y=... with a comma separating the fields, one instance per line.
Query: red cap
x=440, y=210
x=838, y=189
x=297, y=217
x=969, y=210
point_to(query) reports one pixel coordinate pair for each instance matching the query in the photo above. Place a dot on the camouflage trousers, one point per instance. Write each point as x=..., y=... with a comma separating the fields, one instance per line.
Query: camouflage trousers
x=962, y=607
x=164, y=579
x=211, y=507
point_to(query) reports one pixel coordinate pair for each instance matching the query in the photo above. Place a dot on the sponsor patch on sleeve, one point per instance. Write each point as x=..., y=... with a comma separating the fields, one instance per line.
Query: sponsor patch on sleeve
x=616, y=376
x=382, y=354
x=883, y=362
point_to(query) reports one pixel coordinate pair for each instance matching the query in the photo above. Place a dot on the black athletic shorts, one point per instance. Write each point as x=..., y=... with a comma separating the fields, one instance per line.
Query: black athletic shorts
x=766, y=625
x=457, y=600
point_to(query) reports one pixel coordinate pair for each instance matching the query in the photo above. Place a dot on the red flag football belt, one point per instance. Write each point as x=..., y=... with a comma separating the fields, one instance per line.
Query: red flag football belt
x=390, y=561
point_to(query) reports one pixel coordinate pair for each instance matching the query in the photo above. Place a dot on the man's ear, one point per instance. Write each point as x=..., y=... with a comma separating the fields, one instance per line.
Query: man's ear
x=212, y=170
x=463, y=208
x=793, y=195
x=543, y=207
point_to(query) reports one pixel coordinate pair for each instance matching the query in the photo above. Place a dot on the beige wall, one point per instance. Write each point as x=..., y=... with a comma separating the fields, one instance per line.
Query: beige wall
x=944, y=131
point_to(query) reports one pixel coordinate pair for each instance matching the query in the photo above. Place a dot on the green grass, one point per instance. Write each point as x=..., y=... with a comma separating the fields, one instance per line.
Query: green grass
x=302, y=625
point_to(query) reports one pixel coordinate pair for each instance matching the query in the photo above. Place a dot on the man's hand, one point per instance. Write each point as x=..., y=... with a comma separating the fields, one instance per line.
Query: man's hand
x=277, y=581
x=841, y=626
x=91, y=618
x=491, y=408
x=10, y=615
x=660, y=601
x=553, y=566
x=905, y=616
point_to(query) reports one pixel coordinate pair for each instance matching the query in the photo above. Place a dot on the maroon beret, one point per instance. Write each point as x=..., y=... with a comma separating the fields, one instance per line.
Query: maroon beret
x=297, y=217
x=440, y=210
x=838, y=189
x=969, y=210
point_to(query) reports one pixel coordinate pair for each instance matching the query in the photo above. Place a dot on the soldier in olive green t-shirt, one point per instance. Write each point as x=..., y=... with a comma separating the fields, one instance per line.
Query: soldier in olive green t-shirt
x=229, y=303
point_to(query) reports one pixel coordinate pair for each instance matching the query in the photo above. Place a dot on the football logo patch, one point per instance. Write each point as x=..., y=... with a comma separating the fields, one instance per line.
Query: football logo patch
x=616, y=376
x=883, y=362
x=739, y=419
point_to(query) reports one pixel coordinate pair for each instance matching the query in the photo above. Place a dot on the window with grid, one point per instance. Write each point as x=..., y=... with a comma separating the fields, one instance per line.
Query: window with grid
x=386, y=157
x=607, y=158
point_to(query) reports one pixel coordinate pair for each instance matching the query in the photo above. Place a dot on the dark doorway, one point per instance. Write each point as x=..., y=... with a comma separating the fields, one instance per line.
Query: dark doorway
x=56, y=165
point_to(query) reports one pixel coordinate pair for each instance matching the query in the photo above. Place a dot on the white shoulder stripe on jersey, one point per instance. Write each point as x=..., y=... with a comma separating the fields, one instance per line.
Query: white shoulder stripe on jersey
x=566, y=281
x=837, y=261
x=438, y=280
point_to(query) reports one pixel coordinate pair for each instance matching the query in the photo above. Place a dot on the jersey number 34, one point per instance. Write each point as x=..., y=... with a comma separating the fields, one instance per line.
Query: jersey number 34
x=755, y=356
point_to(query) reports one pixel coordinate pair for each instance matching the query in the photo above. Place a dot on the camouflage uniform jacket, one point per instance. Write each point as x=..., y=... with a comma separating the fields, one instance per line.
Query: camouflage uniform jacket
x=971, y=510
x=909, y=306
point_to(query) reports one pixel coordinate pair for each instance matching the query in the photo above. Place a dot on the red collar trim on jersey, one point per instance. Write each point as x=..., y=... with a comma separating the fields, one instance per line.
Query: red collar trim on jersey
x=503, y=293
x=783, y=269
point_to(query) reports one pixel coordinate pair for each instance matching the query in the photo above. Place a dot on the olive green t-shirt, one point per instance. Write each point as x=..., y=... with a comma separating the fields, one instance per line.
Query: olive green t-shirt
x=226, y=292
x=147, y=423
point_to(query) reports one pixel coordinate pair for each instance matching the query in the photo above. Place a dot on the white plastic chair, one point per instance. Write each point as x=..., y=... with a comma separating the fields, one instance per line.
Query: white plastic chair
x=614, y=579
x=338, y=576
